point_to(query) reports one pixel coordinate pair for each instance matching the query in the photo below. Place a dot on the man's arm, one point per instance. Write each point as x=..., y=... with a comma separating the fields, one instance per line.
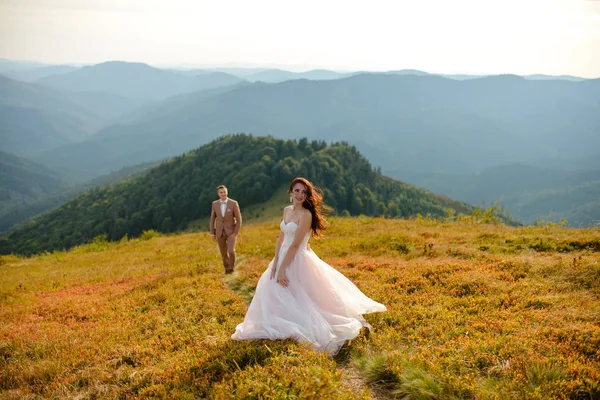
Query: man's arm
x=238, y=216
x=213, y=216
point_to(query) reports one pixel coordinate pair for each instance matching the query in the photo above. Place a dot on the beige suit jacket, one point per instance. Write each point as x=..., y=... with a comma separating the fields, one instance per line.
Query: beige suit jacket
x=232, y=221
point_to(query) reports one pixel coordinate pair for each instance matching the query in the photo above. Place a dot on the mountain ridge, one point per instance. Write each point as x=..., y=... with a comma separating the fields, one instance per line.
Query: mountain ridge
x=138, y=81
x=461, y=125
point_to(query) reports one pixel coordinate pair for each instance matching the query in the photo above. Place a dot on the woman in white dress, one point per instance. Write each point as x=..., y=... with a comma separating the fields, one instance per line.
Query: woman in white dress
x=299, y=296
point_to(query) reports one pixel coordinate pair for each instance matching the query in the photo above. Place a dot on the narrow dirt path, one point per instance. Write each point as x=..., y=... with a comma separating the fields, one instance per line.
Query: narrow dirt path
x=353, y=378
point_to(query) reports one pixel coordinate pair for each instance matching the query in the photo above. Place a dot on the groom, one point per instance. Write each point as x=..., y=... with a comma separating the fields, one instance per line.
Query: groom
x=225, y=223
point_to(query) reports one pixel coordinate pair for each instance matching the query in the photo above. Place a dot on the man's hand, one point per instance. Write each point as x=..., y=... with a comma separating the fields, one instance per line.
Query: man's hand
x=214, y=238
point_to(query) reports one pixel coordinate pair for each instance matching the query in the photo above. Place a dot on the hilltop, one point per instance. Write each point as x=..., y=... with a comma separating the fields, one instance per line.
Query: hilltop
x=178, y=191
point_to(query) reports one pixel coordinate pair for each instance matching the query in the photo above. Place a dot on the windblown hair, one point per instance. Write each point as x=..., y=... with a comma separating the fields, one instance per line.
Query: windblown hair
x=314, y=204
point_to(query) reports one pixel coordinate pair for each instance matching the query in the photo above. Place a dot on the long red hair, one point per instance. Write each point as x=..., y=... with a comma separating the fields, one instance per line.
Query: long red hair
x=313, y=203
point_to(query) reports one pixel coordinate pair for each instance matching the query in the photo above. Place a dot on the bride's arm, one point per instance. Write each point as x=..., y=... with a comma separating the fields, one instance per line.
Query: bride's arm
x=276, y=259
x=301, y=232
x=277, y=248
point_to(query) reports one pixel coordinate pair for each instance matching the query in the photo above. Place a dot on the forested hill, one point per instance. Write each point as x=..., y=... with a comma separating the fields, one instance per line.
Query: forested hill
x=181, y=190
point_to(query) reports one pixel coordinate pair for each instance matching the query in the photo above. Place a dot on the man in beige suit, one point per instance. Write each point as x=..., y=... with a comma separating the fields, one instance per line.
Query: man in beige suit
x=225, y=223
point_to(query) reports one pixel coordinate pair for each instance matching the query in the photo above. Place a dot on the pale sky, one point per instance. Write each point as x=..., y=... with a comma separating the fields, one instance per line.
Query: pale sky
x=441, y=36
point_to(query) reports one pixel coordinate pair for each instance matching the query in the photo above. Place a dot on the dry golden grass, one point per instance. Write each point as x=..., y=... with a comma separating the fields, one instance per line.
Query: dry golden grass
x=474, y=311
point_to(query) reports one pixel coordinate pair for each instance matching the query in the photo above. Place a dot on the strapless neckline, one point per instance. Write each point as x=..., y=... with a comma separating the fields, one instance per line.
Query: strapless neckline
x=287, y=223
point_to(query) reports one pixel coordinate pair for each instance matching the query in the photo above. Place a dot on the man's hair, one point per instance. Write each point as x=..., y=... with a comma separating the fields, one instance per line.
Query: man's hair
x=221, y=187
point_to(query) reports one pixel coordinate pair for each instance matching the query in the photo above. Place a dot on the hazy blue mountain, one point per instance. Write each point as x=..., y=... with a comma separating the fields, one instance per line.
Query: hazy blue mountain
x=409, y=72
x=34, y=118
x=109, y=106
x=239, y=72
x=568, y=164
x=461, y=77
x=49, y=190
x=18, y=65
x=135, y=80
x=554, y=77
x=279, y=75
x=322, y=74
x=272, y=76
x=30, y=75
x=22, y=181
x=468, y=76
x=578, y=204
x=531, y=77
x=526, y=190
x=401, y=122
x=182, y=103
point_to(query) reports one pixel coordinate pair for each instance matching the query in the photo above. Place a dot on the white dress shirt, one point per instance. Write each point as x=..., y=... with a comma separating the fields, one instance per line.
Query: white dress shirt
x=223, y=208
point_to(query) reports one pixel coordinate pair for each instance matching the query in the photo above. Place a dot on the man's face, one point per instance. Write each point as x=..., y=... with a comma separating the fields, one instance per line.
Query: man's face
x=223, y=194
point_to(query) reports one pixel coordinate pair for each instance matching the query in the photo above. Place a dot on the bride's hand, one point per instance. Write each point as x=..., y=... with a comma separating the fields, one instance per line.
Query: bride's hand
x=281, y=278
x=273, y=268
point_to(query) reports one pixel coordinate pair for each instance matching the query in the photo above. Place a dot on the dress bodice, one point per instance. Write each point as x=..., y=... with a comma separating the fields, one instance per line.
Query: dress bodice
x=289, y=231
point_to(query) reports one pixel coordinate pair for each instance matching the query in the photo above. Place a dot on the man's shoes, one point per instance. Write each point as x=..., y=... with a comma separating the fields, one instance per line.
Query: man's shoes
x=229, y=271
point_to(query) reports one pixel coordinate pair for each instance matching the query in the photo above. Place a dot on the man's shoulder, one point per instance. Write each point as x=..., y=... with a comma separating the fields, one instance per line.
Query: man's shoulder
x=216, y=202
x=232, y=201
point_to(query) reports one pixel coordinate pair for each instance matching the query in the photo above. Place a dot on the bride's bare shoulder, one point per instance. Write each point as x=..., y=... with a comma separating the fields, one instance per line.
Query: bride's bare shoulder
x=306, y=215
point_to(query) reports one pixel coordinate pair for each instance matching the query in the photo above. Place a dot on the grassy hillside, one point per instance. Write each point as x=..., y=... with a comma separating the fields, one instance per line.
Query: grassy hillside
x=474, y=311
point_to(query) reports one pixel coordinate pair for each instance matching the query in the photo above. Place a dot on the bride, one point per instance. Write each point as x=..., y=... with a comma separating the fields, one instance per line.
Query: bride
x=300, y=296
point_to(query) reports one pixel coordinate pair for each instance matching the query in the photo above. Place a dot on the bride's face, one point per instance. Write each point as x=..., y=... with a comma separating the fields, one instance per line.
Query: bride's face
x=299, y=193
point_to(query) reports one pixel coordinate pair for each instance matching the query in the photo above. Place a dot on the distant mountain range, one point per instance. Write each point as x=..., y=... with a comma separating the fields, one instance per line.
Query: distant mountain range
x=445, y=133
x=135, y=80
x=30, y=75
x=400, y=122
x=68, y=107
x=31, y=71
x=34, y=118
x=530, y=192
x=23, y=181
x=28, y=190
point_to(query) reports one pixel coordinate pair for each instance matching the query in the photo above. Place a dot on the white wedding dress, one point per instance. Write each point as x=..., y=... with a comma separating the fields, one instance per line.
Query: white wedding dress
x=319, y=306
